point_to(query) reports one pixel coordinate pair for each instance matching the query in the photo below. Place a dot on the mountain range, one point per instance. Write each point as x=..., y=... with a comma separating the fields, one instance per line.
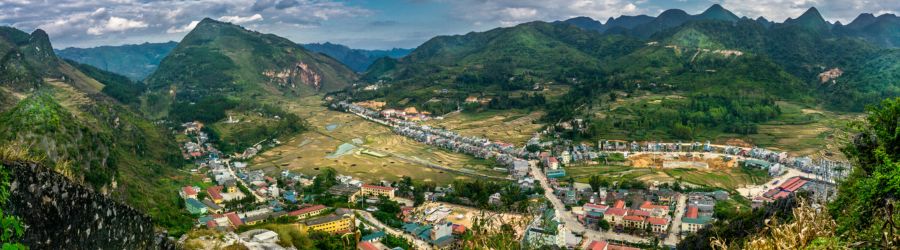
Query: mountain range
x=713, y=56
x=356, y=59
x=136, y=61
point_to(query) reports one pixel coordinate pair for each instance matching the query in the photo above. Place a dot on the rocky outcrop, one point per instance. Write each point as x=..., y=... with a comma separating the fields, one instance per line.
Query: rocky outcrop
x=299, y=73
x=60, y=214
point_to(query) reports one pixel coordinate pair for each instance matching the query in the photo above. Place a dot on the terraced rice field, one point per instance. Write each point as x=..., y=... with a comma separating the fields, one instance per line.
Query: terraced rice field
x=515, y=126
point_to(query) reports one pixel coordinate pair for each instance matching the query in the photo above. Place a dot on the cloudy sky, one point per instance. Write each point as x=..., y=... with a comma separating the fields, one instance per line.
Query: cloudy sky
x=368, y=24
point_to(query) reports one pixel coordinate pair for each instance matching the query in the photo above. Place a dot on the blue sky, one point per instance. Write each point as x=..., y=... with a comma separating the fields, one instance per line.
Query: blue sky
x=368, y=24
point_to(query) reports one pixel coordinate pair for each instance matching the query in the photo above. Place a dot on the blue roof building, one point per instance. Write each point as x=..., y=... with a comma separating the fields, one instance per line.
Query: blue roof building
x=290, y=196
x=194, y=206
x=556, y=173
x=372, y=237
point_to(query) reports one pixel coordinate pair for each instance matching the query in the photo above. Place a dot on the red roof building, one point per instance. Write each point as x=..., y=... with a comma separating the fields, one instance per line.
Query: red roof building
x=634, y=218
x=234, y=219
x=597, y=245
x=377, y=187
x=615, y=211
x=365, y=245
x=619, y=204
x=591, y=206
x=215, y=192
x=189, y=191
x=793, y=184
x=459, y=229
x=692, y=212
x=638, y=213
x=657, y=221
x=307, y=211
x=647, y=205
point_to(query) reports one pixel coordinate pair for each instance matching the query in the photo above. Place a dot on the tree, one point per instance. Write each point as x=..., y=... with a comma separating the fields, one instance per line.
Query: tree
x=864, y=207
x=12, y=228
x=603, y=224
x=595, y=182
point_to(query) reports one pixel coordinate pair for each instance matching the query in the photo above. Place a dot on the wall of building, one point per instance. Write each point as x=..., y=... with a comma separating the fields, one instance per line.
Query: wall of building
x=62, y=215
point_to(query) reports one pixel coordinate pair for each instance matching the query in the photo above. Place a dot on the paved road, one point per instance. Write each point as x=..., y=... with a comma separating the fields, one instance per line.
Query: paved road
x=675, y=227
x=571, y=222
x=419, y=244
x=234, y=175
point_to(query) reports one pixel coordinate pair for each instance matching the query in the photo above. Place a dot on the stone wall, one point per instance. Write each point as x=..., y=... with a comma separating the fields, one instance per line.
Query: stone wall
x=60, y=214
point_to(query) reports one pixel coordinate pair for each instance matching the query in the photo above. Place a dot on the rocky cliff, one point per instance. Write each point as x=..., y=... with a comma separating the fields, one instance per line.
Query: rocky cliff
x=60, y=214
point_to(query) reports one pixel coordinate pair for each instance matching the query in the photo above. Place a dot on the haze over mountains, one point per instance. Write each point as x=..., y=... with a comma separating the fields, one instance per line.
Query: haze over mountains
x=137, y=61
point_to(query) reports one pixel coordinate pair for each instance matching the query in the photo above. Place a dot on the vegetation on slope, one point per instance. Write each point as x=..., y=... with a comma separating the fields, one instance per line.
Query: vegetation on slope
x=116, y=86
x=865, y=206
x=11, y=227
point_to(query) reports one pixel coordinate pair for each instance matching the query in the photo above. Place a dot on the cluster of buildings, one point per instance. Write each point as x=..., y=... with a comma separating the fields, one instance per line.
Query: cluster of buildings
x=818, y=190
x=699, y=210
x=648, y=217
x=230, y=181
x=431, y=225
x=199, y=145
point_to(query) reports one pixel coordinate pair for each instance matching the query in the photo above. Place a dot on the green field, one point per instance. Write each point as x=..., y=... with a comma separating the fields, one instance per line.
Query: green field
x=726, y=179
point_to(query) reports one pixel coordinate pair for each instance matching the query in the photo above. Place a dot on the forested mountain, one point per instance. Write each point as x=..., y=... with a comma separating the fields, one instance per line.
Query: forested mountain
x=136, y=61
x=221, y=69
x=356, y=59
x=219, y=59
x=62, y=113
x=717, y=61
x=446, y=69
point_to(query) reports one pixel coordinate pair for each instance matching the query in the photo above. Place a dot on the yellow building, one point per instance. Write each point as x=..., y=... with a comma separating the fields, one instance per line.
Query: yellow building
x=373, y=191
x=332, y=223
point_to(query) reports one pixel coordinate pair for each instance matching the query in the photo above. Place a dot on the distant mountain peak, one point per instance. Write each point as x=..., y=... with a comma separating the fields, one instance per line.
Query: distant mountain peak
x=672, y=13
x=811, y=14
x=810, y=19
x=717, y=12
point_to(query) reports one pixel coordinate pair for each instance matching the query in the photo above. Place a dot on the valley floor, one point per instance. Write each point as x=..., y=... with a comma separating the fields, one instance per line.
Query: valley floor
x=363, y=149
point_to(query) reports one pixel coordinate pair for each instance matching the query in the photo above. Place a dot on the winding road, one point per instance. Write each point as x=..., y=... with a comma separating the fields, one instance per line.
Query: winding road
x=571, y=222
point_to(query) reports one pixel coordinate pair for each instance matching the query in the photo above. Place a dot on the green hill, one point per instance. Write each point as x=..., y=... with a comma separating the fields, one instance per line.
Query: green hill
x=221, y=69
x=222, y=59
x=496, y=62
x=727, y=70
x=62, y=114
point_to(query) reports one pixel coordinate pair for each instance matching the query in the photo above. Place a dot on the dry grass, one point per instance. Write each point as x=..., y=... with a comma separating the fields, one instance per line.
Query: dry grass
x=13, y=152
x=810, y=223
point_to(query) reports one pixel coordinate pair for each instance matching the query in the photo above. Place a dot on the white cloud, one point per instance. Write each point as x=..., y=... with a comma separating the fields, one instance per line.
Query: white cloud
x=116, y=24
x=520, y=13
x=240, y=19
x=511, y=12
x=188, y=27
